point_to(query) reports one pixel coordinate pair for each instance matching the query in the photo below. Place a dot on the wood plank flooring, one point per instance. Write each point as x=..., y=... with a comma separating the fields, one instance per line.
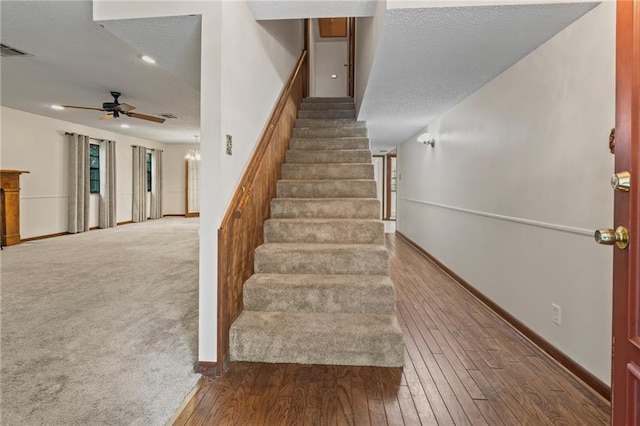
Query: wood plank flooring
x=463, y=366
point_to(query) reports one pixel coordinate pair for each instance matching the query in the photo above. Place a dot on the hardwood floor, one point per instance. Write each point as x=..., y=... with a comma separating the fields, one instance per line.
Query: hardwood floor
x=463, y=366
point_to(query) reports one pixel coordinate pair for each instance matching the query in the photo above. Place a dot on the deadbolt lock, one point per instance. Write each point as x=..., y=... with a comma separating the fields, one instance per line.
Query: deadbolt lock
x=609, y=237
x=621, y=181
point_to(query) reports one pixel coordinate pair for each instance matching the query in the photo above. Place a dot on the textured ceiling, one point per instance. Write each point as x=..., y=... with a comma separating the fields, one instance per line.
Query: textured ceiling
x=295, y=9
x=430, y=59
x=78, y=62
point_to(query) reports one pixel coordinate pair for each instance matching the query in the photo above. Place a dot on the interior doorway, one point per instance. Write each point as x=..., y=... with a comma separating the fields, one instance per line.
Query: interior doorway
x=330, y=55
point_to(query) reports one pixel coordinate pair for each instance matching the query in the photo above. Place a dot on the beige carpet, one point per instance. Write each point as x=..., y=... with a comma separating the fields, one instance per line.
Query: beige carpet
x=100, y=328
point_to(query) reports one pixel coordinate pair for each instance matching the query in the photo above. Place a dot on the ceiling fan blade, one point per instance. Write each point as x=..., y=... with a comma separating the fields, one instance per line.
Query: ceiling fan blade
x=125, y=107
x=106, y=117
x=80, y=107
x=146, y=117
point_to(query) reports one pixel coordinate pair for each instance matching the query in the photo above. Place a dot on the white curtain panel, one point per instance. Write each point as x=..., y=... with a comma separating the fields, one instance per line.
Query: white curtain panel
x=156, y=184
x=107, y=211
x=78, y=214
x=193, y=195
x=139, y=210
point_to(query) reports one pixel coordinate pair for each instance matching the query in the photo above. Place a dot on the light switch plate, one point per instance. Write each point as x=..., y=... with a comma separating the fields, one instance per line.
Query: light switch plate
x=229, y=144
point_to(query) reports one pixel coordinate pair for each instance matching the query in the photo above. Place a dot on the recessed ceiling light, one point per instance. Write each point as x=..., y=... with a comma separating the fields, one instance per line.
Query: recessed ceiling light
x=148, y=59
x=125, y=126
x=57, y=107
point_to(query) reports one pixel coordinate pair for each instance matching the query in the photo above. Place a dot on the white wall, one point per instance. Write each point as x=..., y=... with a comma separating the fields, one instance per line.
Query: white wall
x=38, y=144
x=367, y=34
x=244, y=64
x=517, y=182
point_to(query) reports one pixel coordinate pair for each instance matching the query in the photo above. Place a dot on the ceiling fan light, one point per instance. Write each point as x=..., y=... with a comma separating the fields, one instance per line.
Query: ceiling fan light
x=57, y=107
x=125, y=126
x=148, y=59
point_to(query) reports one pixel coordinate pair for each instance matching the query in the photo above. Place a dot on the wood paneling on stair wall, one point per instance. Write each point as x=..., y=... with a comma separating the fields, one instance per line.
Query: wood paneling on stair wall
x=242, y=227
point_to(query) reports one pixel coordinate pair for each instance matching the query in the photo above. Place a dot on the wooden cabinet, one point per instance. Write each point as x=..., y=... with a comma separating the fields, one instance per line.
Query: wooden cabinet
x=10, y=206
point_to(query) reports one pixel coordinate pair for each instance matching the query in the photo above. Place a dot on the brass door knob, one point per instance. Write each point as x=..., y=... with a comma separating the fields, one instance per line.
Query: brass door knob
x=621, y=181
x=609, y=237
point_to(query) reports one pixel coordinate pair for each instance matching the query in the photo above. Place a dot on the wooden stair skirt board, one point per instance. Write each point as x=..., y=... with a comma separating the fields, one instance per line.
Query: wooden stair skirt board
x=580, y=372
x=321, y=291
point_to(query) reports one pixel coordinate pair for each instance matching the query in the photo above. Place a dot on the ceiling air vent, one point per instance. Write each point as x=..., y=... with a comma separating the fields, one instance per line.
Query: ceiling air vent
x=168, y=115
x=11, y=51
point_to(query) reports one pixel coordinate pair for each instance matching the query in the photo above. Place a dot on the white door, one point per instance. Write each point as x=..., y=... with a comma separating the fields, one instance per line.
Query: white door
x=332, y=68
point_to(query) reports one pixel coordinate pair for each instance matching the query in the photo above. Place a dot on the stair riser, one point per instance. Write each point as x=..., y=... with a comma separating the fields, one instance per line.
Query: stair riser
x=328, y=143
x=327, y=114
x=322, y=262
x=328, y=106
x=326, y=189
x=329, y=132
x=334, y=122
x=332, y=347
x=363, y=299
x=321, y=209
x=325, y=157
x=327, y=100
x=331, y=232
x=323, y=171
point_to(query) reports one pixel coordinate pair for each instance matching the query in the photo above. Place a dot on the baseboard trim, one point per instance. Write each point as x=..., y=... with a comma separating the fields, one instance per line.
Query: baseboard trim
x=576, y=369
x=173, y=215
x=207, y=368
x=44, y=237
x=192, y=214
x=126, y=222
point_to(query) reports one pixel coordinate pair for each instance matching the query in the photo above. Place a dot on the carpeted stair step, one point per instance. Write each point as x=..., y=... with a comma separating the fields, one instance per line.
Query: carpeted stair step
x=332, y=208
x=317, y=338
x=329, y=132
x=327, y=100
x=351, y=188
x=329, y=231
x=329, y=143
x=331, y=122
x=308, y=156
x=363, y=294
x=287, y=258
x=327, y=114
x=324, y=171
x=328, y=106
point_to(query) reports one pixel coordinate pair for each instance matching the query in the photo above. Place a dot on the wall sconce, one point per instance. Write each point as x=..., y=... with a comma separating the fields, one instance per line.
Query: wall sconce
x=427, y=139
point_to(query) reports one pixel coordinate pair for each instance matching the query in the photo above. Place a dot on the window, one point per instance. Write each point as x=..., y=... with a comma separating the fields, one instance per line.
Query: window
x=148, y=172
x=94, y=168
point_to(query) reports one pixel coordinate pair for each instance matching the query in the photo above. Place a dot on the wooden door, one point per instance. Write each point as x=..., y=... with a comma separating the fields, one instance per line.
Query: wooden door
x=626, y=262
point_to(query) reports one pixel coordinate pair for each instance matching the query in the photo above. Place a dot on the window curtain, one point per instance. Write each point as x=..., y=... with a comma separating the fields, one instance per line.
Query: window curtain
x=107, y=210
x=156, y=184
x=139, y=210
x=78, y=214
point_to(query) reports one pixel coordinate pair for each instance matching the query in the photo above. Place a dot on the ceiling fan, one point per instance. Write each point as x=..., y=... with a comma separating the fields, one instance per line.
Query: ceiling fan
x=115, y=108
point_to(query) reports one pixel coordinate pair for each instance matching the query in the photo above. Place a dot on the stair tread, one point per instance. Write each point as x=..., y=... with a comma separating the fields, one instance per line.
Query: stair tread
x=321, y=220
x=325, y=247
x=306, y=323
x=318, y=280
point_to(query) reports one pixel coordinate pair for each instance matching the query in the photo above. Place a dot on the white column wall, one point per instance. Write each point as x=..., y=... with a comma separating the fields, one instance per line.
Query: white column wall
x=518, y=180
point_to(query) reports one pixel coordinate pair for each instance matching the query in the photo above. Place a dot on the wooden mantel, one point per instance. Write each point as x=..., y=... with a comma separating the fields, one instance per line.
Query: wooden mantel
x=10, y=206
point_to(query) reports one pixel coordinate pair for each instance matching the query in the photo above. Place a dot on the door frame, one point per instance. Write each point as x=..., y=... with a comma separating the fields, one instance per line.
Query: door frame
x=625, y=381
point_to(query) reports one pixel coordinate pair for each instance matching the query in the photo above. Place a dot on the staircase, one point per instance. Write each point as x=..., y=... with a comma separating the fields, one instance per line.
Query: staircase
x=321, y=292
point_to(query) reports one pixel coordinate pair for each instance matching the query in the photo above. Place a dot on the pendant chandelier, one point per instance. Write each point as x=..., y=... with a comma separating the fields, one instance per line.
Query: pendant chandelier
x=194, y=154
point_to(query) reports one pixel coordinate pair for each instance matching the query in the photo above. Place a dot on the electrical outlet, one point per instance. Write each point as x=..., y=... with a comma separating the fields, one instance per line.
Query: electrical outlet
x=229, y=144
x=556, y=314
